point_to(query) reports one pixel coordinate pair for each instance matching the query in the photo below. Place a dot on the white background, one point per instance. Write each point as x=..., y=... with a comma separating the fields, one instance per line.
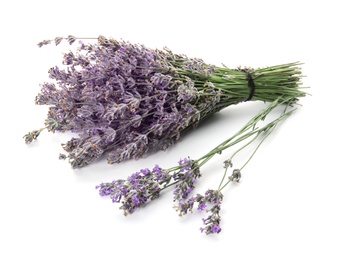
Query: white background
x=287, y=205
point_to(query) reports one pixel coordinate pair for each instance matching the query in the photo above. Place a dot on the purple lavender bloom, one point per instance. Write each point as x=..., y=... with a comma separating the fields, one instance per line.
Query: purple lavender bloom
x=185, y=206
x=137, y=190
x=32, y=136
x=186, y=177
x=202, y=206
x=105, y=190
x=213, y=196
x=215, y=228
x=135, y=199
x=212, y=222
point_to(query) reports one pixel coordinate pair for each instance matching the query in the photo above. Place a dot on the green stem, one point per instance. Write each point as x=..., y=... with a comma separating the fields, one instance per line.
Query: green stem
x=245, y=132
x=244, y=146
x=268, y=130
x=271, y=82
x=220, y=188
x=268, y=133
x=222, y=179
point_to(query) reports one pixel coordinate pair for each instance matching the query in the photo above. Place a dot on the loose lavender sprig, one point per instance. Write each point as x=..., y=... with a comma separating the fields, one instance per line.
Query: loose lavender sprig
x=137, y=189
x=135, y=194
x=125, y=100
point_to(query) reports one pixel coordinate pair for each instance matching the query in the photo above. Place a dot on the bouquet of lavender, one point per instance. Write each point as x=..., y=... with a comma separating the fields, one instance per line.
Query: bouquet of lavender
x=125, y=100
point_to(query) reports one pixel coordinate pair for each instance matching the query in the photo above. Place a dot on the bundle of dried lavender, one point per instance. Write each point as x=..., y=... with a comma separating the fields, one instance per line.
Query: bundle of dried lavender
x=147, y=184
x=125, y=99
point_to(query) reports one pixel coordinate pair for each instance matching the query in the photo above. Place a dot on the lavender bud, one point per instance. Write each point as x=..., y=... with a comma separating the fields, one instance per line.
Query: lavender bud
x=32, y=136
x=110, y=135
x=137, y=189
x=45, y=42
x=58, y=40
x=228, y=163
x=71, y=39
x=62, y=156
x=236, y=175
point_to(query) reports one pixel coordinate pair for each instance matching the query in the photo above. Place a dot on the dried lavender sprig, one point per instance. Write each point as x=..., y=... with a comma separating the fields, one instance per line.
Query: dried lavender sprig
x=184, y=175
x=33, y=135
x=128, y=100
x=57, y=40
x=139, y=188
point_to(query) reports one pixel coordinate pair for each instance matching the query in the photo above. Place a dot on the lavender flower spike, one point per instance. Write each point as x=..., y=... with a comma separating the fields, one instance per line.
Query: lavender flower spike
x=137, y=189
x=186, y=177
x=212, y=222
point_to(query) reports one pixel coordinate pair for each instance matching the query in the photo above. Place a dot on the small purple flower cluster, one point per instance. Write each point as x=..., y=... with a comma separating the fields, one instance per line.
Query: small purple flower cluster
x=147, y=184
x=123, y=99
x=212, y=222
x=189, y=172
x=71, y=39
x=33, y=135
x=137, y=190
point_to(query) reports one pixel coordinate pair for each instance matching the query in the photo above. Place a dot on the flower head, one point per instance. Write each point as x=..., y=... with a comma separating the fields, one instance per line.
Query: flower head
x=32, y=136
x=213, y=197
x=137, y=189
x=212, y=222
x=186, y=177
x=186, y=205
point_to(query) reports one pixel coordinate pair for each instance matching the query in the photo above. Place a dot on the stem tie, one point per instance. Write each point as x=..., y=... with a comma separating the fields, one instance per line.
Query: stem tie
x=250, y=84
